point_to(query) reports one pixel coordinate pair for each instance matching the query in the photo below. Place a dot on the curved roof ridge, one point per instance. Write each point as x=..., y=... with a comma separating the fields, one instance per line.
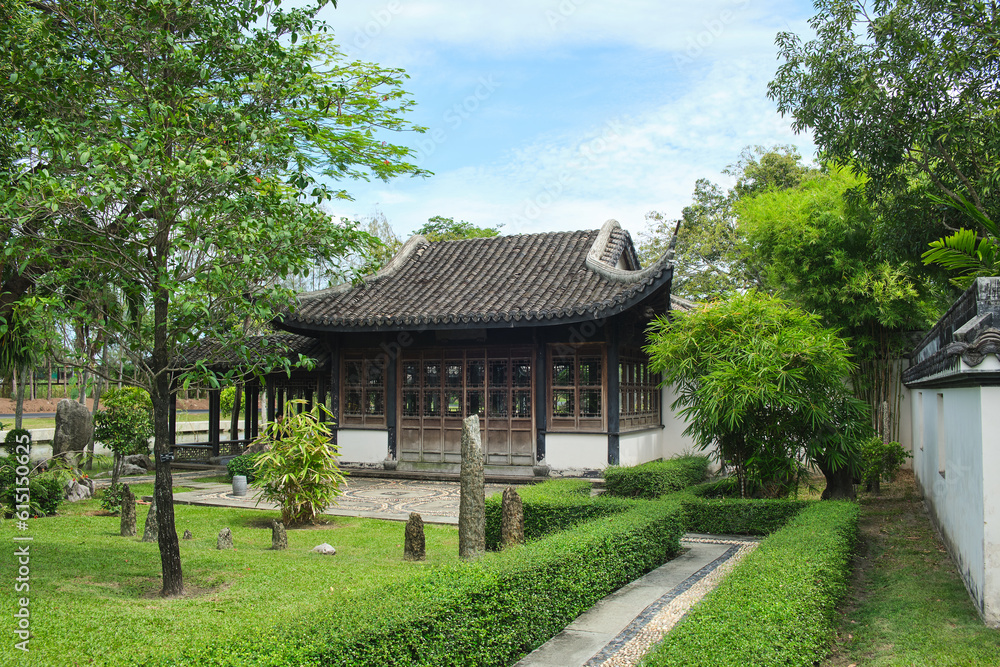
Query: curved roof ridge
x=595, y=264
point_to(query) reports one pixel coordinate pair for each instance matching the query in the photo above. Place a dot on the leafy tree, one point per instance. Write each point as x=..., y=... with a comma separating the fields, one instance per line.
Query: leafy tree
x=763, y=382
x=813, y=244
x=895, y=83
x=179, y=150
x=440, y=228
x=964, y=251
x=708, y=261
x=299, y=469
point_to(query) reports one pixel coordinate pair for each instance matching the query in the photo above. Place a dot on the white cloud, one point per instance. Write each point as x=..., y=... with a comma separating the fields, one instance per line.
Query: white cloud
x=398, y=28
x=621, y=168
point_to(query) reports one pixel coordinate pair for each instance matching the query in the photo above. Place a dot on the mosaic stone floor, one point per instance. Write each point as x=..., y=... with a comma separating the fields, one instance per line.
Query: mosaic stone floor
x=436, y=502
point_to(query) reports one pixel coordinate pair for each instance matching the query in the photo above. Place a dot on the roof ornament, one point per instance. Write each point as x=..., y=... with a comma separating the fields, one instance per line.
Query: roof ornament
x=615, y=274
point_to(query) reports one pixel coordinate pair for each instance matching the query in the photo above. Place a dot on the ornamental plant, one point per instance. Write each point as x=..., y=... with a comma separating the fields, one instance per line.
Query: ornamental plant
x=880, y=462
x=299, y=471
x=763, y=383
x=125, y=425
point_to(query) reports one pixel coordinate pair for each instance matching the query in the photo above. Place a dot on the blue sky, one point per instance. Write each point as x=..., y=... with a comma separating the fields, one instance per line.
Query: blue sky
x=554, y=115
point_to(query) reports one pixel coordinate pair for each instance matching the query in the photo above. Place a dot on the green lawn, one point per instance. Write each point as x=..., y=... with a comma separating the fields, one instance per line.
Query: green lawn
x=50, y=422
x=93, y=596
x=908, y=605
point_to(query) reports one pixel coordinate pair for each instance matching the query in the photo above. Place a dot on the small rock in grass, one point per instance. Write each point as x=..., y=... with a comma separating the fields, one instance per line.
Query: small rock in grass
x=325, y=549
x=225, y=539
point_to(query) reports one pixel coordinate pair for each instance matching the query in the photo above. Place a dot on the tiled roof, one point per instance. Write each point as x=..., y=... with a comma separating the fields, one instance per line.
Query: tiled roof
x=221, y=357
x=490, y=282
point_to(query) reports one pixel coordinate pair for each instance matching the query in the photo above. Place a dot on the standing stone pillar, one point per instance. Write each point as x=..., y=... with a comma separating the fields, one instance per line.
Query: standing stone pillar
x=511, y=519
x=151, y=532
x=225, y=540
x=414, y=545
x=279, y=538
x=128, y=512
x=472, y=503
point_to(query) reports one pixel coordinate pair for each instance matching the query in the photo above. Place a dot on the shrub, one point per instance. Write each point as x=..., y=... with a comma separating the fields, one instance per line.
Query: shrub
x=880, y=462
x=738, y=516
x=552, y=506
x=45, y=491
x=242, y=465
x=299, y=471
x=127, y=397
x=227, y=397
x=490, y=612
x=15, y=437
x=655, y=478
x=777, y=607
x=111, y=498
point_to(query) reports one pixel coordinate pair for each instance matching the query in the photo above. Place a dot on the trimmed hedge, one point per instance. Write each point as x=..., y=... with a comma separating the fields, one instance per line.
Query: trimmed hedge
x=242, y=465
x=777, y=607
x=656, y=478
x=552, y=506
x=490, y=612
x=737, y=516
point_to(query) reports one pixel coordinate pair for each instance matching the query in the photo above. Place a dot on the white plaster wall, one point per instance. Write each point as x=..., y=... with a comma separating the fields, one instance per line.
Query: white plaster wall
x=955, y=499
x=576, y=451
x=362, y=445
x=991, y=505
x=640, y=446
x=906, y=407
x=673, y=441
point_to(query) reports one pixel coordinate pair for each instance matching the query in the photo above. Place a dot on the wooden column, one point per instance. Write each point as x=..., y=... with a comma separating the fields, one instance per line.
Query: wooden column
x=391, y=382
x=542, y=376
x=334, y=343
x=248, y=393
x=270, y=400
x=613, y=387
x=214, y=408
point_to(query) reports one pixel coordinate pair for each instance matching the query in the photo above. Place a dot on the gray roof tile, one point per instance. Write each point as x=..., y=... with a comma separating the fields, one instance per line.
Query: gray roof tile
x=489, y=282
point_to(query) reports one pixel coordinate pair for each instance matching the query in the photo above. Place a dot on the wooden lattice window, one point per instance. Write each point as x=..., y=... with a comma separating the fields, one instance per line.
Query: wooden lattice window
x=363, y=389
x=577, y=381
x=639, y=391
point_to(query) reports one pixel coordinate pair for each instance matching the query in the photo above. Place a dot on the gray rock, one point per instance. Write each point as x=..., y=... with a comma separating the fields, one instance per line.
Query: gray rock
x=258, y=447
x=472, y=502
x=74, y=426
x=140, y=460
x=188, y=535
x=225, y=539
x=414, y=545
x=128, y=512
x=151, y=533
x=511, y=518
x=324, y=549
x=279, y=538
x=129, y=469
x=79, y=489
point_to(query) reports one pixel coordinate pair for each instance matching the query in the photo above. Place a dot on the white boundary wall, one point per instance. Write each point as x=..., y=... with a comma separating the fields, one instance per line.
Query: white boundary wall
x=956, y=458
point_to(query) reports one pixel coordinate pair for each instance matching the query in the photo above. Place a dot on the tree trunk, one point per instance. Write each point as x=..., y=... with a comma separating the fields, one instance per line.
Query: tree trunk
x=170, y=552
x=19, y=407
x=234, y=418
x=98, y=390
x=48, y=391
x=839, y=483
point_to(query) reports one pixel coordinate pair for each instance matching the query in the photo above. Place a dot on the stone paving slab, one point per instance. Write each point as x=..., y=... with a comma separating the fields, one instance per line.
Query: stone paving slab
x=436, y=502
x=620, y=629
